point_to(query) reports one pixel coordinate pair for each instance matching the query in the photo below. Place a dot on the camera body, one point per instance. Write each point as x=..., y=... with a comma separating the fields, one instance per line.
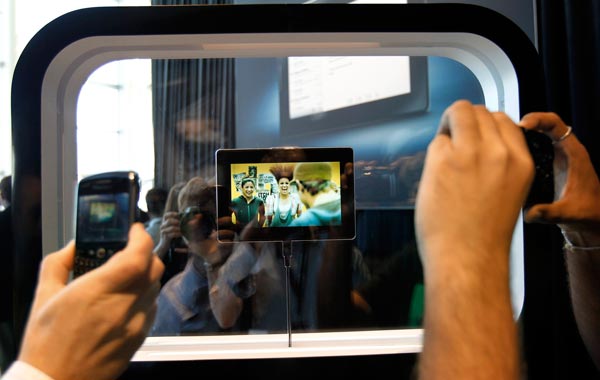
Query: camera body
x=209, y=216
x=204, y=227
x=542, y=152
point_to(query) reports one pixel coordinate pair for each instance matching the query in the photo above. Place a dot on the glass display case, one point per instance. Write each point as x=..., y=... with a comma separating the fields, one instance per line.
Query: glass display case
x=196, y=80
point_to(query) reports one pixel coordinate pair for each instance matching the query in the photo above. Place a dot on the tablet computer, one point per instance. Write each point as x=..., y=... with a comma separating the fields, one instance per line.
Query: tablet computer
x=288, y=193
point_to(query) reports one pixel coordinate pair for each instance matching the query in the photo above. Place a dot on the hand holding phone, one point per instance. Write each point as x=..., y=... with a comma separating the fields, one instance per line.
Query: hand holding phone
x=106, y=209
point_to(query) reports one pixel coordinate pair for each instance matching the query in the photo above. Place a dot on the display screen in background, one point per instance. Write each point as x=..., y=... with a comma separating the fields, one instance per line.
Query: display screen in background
x=102, y=217
x=321, y=84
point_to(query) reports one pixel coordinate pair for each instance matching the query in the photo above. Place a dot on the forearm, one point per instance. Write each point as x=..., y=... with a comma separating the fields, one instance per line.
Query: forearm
x=161, y=249
x=225, y=305
x=469, y=328
x=583, y=266
x=227, y=302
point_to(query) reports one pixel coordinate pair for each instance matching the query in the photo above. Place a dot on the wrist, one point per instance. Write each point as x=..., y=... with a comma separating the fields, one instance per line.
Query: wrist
x=23, y=370
x=450, y=253
x=162, y=248
x=581, y=239
x=212, y=266
x=470, y=270
x=206, y=265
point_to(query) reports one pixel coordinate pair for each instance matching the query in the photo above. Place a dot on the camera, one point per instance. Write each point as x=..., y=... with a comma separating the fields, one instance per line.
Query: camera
x=206, y=222
x=204, y=212
x=542, y=152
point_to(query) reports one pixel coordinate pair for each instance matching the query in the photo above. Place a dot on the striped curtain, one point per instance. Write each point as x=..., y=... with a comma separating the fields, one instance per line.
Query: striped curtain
x=193, y=112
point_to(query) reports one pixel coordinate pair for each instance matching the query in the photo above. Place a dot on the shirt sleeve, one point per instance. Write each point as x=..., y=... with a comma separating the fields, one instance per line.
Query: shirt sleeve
x=20, y=370
x=236, y=272
x=269, y=205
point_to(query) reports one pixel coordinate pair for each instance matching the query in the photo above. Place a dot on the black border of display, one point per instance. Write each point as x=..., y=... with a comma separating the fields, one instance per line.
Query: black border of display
x=344, y=155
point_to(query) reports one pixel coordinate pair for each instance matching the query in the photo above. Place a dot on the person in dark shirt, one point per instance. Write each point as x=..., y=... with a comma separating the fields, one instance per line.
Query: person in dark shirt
x=156, y=199
x=248, y=207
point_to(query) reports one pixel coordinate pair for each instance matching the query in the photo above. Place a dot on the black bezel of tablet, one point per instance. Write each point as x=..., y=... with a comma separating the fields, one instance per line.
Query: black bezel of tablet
x=263, y=157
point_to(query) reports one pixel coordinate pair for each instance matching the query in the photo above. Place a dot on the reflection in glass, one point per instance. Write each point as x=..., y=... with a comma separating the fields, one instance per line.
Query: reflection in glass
x=167, y=118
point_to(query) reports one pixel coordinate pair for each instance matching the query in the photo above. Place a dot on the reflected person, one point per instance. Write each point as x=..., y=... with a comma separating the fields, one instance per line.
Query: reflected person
x=207, y=296
x=171, y=248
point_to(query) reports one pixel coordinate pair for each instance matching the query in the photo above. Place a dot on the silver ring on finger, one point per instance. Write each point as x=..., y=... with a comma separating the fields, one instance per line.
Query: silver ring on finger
x=568, y=133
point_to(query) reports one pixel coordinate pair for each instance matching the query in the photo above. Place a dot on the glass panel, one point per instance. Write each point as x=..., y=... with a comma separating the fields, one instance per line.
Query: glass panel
x=166, y=119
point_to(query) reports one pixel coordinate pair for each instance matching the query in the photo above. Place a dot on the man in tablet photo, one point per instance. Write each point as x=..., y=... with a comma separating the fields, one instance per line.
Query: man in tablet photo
x=319, y=193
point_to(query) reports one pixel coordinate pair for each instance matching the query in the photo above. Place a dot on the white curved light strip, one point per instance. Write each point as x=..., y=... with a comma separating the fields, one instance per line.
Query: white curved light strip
x=261, y=346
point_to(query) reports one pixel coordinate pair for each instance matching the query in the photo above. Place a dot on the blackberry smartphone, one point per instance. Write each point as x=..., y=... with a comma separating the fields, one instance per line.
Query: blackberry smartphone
x=106, y=208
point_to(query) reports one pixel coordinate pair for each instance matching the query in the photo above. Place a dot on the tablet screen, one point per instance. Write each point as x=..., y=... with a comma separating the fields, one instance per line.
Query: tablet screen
x=281, y=194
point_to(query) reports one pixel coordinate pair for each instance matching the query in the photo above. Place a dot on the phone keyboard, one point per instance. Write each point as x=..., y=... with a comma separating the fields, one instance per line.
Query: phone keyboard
x=88, y=259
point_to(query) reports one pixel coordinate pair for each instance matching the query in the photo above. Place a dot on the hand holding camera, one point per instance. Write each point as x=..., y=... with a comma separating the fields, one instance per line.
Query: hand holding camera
x=170, y=236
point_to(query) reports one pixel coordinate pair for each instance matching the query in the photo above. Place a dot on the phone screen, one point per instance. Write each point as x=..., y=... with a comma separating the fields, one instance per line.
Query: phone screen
x=103, y=217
